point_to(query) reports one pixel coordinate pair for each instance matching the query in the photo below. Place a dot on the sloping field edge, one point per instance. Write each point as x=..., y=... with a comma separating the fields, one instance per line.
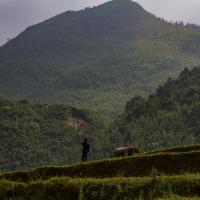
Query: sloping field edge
x=134, y=166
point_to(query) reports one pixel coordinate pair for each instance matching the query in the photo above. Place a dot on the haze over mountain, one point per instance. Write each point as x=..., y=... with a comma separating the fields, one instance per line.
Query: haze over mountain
x=96, y=58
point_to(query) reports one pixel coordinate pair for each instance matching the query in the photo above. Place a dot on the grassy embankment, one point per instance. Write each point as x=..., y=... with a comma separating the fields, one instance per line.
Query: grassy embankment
x=103, y=189
x=144, y=176
x=173, y=161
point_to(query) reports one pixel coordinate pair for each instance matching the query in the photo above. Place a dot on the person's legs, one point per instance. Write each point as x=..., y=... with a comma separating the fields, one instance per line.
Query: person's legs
x=84, y=157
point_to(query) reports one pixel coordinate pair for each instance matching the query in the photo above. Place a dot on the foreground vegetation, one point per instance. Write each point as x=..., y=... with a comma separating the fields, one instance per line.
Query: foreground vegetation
x=104, y=189
x=165, y=174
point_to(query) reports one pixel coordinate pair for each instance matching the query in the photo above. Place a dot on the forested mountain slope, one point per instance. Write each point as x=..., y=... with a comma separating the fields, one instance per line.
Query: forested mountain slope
x=41, y=134
x=35, y=135
x=96, y=58
x=170, y=117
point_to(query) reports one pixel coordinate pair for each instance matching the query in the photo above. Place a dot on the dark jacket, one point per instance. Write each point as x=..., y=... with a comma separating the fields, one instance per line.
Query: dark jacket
x=86, y=147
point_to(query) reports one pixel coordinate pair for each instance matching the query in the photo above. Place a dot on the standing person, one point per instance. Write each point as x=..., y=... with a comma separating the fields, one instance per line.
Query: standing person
x=86, y=148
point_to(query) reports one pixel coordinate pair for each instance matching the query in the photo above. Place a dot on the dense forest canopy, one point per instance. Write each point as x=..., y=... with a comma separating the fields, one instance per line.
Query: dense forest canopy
x=34, y=135
x=170, y=117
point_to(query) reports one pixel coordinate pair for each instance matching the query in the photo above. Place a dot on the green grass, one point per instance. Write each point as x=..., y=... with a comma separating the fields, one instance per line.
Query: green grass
x=103, y=189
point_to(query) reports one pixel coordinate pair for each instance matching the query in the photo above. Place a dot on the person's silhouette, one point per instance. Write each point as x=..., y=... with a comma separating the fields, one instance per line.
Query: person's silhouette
x=86, y=148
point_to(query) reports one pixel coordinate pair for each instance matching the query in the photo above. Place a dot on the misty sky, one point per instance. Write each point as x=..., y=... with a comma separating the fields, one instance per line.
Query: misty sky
x=16, y=15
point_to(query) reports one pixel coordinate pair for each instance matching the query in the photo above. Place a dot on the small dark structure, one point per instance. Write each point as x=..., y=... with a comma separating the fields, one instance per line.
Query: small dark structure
x=86, y=149
x=125, y=151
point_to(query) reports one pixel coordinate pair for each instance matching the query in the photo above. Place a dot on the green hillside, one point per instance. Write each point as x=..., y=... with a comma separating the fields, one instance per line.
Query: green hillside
x=169, y=117
x=152, y=175
x=39, y=134
x=96, y=58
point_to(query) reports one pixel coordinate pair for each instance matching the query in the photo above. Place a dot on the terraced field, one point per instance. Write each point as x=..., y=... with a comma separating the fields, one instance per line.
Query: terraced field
x=164, y=174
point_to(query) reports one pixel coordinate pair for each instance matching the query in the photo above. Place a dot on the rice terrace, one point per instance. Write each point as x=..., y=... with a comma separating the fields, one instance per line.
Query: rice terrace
x=168, y=174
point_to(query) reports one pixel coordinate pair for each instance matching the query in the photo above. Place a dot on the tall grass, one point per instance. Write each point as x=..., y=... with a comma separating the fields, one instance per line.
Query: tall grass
x=103, y=189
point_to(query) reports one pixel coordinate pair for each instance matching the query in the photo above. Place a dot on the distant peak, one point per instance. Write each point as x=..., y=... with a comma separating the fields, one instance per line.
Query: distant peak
x=124, y=3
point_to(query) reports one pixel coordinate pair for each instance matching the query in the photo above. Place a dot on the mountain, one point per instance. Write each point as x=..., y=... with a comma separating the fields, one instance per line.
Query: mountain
x=33, y=135
x=170, y=117
x=96, y=58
